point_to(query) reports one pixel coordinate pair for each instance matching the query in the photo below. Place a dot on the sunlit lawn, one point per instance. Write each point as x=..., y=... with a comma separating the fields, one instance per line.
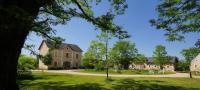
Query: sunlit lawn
x=50, y=81
x=129, y=72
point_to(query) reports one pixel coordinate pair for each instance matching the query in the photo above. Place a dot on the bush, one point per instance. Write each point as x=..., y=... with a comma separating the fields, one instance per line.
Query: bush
x=26, y=63
x=196, y=73
x=47, y=59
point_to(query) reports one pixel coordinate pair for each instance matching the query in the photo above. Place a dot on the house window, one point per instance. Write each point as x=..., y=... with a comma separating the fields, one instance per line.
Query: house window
x=76, y=64
x=195, y=66
x=55, y=64
x=67, y=55
x=167, y=66
x=76, y=56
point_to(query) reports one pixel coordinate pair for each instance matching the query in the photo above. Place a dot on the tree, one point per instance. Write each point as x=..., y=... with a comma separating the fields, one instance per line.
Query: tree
x=123, y=53
x=177, y=17
x=94, y=54
x=104, y=38
x=140, y=59
x=190, y=53
x=88, y=60
x=197, y=44
x=19, y=17
x=183, y=65
x=47, y=59
x=160, y=56
x=26, y=63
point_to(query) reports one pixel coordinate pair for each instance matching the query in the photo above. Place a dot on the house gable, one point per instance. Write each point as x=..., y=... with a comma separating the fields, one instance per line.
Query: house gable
x=43, y=49
x=195, y=64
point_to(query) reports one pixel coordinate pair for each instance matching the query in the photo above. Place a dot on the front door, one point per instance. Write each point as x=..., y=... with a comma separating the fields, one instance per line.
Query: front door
x=66, y=65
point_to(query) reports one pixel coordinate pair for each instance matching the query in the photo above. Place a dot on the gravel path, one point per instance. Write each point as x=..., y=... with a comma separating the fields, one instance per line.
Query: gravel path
x=75, y=72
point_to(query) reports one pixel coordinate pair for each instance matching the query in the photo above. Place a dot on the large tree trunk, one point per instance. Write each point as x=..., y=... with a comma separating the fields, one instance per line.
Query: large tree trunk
x=16, y=18
x=11, y=44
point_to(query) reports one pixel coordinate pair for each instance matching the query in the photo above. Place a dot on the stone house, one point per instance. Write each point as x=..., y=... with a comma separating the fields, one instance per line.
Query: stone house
x=195, y=64
x=66, y=56
x=149, y=65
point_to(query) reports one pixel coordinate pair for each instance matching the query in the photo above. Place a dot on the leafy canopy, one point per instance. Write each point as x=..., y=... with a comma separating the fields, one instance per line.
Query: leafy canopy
x=123, y=53
x=160, y=55
x=140, y=59
x=190, y=53
x=94, y=55
x=61, y=11
x=178, y=17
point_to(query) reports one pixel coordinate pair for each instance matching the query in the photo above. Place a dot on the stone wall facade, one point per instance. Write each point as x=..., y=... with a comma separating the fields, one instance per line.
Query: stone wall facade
x=63, y=58
x=195, y=64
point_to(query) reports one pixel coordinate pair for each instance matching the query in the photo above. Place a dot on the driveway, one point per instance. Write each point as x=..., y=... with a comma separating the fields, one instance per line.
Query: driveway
x=75, y=72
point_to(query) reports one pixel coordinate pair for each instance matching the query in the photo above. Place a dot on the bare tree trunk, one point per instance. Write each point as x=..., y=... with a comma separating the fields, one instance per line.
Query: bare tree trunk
x=190, y=74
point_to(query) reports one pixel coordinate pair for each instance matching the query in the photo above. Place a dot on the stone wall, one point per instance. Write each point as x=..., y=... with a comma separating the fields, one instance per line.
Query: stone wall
x=195, y=64
x=43, y=51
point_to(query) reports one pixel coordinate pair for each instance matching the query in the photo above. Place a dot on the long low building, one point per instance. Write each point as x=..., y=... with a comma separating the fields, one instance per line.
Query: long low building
x=149, y=65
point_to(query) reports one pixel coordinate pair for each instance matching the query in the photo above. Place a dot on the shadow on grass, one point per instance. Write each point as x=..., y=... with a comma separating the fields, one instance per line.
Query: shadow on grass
x=63, y=86
x=128, y=84
x=123, y=84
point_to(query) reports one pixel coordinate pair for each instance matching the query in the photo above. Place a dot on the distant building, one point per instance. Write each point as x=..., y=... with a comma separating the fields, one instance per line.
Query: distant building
x=149, y=65
x=195, y=64
x=66, y=56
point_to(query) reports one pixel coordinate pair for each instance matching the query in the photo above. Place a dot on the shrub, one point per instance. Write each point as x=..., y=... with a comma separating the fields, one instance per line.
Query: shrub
x=26, y=63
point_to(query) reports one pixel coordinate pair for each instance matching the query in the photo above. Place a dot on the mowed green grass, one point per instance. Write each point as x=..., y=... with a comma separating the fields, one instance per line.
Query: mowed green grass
x=126, y=72
x=53, y=81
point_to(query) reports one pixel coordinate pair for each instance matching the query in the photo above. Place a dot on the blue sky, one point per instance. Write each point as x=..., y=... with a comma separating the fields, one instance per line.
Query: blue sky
x=135, y=21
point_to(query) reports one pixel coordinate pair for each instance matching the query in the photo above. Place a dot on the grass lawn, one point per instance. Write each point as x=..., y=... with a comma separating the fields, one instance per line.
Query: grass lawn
x=129, y=72
x=52, y=81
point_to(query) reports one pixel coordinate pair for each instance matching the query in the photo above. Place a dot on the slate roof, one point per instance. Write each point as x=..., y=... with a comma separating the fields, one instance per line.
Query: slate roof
x=63, y=45
x=173, y=60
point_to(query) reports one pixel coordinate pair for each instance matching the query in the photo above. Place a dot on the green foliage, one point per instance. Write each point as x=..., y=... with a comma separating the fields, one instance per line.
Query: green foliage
x=197, y=44
x=87, y=63
x=94, y=55
x=190, y=53
x=100, y=65
x=140, y=59
x=47, y=59
x=61, y=11
x=183, y=65
x=123, y=53
x=177, y=17
x=160, y=55
x=55, y=41
x=26, y=63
